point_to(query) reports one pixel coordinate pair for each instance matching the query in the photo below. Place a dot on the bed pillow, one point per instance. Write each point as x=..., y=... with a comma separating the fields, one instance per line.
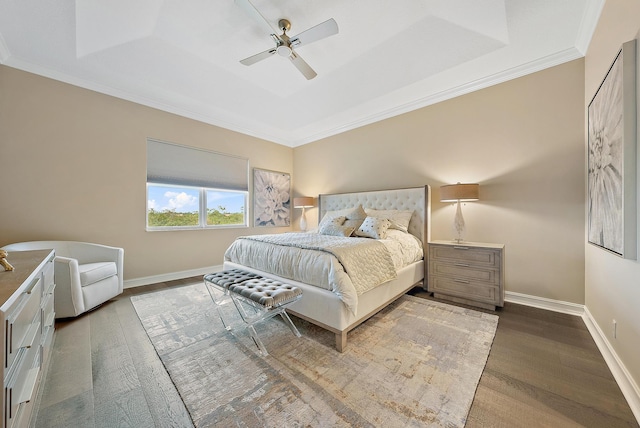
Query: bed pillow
x=399, y=218
x=329, y=216
x=334, y=227
x=374, y=227
x=353, y=217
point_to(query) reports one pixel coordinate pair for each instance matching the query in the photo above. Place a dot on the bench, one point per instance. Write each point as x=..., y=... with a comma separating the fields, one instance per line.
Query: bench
x=263, y=297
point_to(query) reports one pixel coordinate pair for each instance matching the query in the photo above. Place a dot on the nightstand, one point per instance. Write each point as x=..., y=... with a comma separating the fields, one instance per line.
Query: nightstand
x=471, y=273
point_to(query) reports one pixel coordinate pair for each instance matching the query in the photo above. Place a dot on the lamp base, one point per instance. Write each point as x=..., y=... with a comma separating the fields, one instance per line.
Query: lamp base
x=303, y=221
x=458, y=224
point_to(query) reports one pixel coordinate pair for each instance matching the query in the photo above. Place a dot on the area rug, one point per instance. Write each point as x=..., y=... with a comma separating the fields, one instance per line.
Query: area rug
x=416, y=363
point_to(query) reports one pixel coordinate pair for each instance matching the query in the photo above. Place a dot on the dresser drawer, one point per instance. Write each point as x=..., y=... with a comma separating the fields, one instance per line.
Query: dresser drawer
x=465, y=255
x=20, y=387
x=48, y=278
x=464, y=289
x=19, y=325
x=465, y=271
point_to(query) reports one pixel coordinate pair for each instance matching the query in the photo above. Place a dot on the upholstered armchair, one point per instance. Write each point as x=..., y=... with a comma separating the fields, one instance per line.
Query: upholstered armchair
x=86, y=275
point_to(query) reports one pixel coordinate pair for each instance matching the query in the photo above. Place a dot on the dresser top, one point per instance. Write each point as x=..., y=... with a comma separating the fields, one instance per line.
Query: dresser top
x=25, y=264
x=468, y=244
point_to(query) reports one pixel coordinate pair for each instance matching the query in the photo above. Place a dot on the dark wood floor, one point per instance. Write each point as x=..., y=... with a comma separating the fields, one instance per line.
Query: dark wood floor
x=544, y=370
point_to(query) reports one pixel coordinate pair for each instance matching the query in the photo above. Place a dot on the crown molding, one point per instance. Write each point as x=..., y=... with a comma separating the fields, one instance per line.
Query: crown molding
x=588, y=25
x=494, y=79
x=143, y=100
x=280, y=137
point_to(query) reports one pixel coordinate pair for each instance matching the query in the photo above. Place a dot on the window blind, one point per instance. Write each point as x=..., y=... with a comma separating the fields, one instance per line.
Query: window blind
x=169, y=163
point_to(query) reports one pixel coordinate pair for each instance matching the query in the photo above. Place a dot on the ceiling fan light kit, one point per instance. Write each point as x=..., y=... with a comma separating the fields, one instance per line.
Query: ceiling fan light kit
x=284, y=43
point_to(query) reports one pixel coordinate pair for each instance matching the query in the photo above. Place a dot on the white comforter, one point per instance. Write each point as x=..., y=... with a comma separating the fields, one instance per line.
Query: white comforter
x=323, y=261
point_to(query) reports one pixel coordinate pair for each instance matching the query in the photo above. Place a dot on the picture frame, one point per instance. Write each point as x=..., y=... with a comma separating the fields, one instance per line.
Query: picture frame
x=611, y=166
x=271, y=198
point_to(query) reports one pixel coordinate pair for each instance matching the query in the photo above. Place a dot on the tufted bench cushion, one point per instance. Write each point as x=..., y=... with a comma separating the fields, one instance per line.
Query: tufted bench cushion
x=265, y=291
x=228, y=277
x=268, y=297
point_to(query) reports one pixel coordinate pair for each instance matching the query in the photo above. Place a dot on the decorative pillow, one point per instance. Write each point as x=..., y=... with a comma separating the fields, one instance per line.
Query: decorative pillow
x=355, y=217
x=374, y=227
x=334, y=227
x=329, y=216
x=399, y=218
x=335, y=230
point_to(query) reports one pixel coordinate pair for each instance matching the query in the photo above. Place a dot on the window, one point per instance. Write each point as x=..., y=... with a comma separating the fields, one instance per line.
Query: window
x=190, y=188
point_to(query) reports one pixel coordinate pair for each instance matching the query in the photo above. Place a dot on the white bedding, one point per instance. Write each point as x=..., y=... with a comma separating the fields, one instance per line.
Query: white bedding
x=301, y=262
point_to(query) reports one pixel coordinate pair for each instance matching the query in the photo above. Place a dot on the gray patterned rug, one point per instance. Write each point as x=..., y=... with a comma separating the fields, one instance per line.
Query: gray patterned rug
x=415, y=363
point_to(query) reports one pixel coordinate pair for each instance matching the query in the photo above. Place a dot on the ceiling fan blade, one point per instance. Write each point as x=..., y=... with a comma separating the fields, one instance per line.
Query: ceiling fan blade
x=302, y=66
x=320, y=31
x=258, y=57
x=251, y=10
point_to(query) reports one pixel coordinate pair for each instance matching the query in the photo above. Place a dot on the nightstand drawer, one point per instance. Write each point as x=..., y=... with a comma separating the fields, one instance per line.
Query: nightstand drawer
x=464, y=289
x=485, y=257
x=470, y=273
x=465, y=271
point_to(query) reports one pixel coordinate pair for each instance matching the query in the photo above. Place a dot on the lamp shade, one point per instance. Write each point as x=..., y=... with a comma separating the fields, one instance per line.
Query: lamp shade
x=459, y=192
x=303, y=202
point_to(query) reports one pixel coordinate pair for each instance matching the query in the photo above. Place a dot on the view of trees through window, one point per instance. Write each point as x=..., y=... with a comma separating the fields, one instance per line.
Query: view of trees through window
x=192, y=207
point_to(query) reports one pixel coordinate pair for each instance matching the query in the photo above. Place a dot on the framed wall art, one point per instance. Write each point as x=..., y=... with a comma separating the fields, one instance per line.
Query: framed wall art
x=611, y=205
x=271, y=198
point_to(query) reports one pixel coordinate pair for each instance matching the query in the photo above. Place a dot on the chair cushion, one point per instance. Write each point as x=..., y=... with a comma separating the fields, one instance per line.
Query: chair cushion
x=90, y=273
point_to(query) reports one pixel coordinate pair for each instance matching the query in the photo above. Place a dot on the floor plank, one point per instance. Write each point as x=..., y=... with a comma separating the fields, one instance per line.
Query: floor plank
x=544, y=370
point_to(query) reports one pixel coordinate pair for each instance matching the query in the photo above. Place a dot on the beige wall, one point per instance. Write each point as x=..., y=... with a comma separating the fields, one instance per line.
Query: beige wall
x=73, y=167
x=523, y=141
x=612, y=287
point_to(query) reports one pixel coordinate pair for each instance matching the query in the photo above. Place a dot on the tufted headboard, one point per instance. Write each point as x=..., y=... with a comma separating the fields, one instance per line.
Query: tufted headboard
x=417, y=199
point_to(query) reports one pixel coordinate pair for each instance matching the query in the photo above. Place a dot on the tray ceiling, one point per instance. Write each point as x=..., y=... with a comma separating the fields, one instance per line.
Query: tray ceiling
x=183, y=57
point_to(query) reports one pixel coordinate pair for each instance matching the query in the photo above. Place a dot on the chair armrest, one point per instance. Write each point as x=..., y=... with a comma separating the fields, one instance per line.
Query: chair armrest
x=86, y=252
x=68, y=294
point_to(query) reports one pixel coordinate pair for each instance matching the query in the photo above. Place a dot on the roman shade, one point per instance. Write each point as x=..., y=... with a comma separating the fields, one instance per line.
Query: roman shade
x=169, y=163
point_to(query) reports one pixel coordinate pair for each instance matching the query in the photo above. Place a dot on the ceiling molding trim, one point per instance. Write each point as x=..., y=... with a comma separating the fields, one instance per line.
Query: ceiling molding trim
x=588, y=24
x=494, y=79
x=147, y=102
x=5, y=54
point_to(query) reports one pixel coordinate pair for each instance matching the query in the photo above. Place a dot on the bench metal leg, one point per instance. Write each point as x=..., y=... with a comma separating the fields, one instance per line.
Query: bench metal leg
x=287, y=321
x=242, y=304
x=219, y=301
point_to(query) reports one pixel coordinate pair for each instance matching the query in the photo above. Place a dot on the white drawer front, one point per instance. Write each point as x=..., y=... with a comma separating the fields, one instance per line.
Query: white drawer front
x=19, y=390
x=19, y=324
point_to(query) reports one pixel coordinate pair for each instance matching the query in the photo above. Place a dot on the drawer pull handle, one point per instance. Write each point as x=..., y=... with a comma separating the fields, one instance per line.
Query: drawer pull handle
x=460, y=248
x=462, y=264
x=461, y=281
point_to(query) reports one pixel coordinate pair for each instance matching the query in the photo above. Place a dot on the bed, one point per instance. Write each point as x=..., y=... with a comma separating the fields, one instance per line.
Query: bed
x=330, y=307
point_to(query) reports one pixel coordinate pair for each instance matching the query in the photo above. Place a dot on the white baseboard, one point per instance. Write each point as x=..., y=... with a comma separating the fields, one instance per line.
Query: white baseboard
x=544, y=303
x=137, y=282
x=626, y=383
x=620, y=373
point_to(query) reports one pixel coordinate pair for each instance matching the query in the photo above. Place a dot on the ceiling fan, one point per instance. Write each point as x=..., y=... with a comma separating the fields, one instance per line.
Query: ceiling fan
x=284, y=43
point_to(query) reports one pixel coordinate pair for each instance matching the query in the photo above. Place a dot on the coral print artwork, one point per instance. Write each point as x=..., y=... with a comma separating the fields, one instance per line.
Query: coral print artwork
x=271, y=198
x=612, y=162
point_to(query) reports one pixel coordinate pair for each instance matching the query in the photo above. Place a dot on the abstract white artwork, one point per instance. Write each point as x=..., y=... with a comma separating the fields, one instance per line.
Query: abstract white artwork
x=611, y=151
x=271, y=198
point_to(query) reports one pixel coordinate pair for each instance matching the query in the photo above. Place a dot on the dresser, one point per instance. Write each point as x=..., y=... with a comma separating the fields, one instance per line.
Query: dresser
x=27, y=315
x=468, y=272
